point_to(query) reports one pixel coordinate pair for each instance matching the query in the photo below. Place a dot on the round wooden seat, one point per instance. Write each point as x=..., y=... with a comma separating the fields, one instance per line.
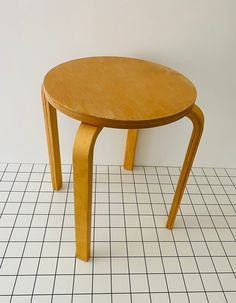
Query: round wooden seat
x=119, y=92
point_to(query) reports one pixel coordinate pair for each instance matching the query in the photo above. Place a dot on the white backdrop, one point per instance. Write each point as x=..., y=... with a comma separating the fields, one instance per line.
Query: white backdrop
x=196, y=37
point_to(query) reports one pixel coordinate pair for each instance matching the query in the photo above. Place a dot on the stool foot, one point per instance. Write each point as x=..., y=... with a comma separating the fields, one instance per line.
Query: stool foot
x=82, y=172
x=130, y=148
x=197, y=118
x=50, y=118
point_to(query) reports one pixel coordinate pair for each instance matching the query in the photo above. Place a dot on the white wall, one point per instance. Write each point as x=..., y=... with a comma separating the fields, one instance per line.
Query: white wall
x=196, y=37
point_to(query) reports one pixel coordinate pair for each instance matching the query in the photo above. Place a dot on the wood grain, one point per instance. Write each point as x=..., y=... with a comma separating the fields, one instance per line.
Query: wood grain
x=82, y=172
x=197, y=118
x=50, y=118
x=119, y=92
x=130, y=148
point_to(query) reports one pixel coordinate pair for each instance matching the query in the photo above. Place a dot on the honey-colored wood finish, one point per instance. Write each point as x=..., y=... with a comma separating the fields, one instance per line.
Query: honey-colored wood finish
x=50, y=118
x=82, y=172
x=130, y=148
x=197, y=118
x=119, y=92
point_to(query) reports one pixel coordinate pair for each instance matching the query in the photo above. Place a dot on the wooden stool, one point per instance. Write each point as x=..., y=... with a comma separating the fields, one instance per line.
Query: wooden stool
x=120, y=93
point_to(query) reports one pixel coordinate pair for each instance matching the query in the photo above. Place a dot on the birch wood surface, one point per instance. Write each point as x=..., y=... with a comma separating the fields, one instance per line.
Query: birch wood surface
x=121, y=93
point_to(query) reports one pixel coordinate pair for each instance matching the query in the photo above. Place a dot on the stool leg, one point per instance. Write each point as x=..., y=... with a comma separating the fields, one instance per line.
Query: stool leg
x=50, y=118
x=130, y=148
x=83, y=170
x=197, y=118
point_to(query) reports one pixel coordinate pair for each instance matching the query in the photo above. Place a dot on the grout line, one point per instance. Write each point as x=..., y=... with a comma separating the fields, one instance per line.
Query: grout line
x=41, y=250
x=94, y=234
x=60, y=241
x=109, y=217
x=163, y=265
x=180, y=265
x=209, y=252
x=17, y=275
x=75, y=263
x=227, y=226
x=145, y=261
x=16, y=216
x=126, y=242
x=189, y=240
x=202, y=179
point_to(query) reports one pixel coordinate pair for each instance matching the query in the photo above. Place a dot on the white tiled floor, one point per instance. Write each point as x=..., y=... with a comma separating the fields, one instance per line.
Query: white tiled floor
x=134, y=258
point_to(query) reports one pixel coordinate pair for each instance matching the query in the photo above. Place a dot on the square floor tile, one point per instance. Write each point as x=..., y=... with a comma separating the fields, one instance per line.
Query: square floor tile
x=197, y=297
x=102, y=266
x=101, y=298
x=6, y=285
x=231, y=297
x=125, y=298
x=101, y=284
x=82, y=267
x=83, y=284
x=65, y=266
x=24, y=285
x=141, y=298
x=44, y=285
x=222, y=264
x=179, y=298
x=157, y=282
x=21, y=299
x=216, y=297
x=137, y=265
x=47, y=266
x=193, y=282
x=63, y=284
x=14, y=249
x=9, y=266
x=171, y=265
x=139, y=283
x=175, y=282
x=120, y=265
x=28, y=266
x=205, y=264
x=211, y=282
x=228, y=281
x=120, y=284
x=154, y=265
x=32, y=249
x=82, y=298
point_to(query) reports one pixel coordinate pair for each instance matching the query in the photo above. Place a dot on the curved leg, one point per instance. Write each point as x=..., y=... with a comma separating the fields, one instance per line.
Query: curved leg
x=130, y=148
x=50, y=118
x=82, y=170
x=197, y=118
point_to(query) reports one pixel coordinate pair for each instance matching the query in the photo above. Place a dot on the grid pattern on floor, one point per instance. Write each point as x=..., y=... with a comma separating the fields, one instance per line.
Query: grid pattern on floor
x=134, y=258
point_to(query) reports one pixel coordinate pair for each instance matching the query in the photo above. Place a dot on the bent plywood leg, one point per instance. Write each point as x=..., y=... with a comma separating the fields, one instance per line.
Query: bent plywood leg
x=197, y=118
x=82, y=170
x=50, y=117
x=130, y=148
